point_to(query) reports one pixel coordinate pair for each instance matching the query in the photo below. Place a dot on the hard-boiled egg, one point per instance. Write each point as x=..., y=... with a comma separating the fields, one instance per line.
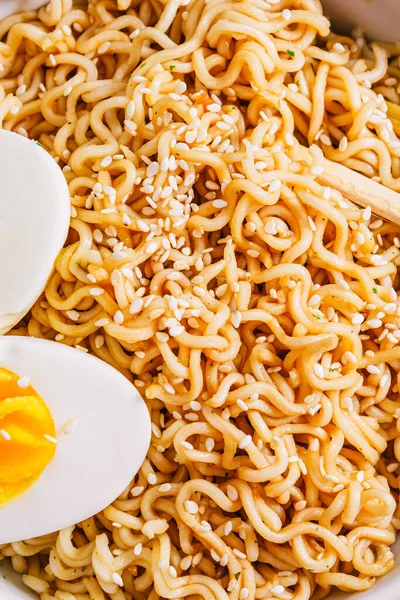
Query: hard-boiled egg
x=34, y=221
x=99, y=438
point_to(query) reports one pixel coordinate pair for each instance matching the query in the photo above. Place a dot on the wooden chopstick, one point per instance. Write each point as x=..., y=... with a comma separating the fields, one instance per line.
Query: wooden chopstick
x=394, y=116
x=361, y=190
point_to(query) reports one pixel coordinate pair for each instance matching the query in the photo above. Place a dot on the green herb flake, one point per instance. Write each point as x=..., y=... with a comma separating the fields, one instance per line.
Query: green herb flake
x=143, y=65
x=375, y=290
x=84, y=569
x=172, y=67
x=291, y=53
x=38, y=144
x=237, y=575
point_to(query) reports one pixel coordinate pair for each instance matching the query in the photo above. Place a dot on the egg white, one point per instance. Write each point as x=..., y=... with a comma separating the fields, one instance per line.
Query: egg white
x=94, y=463
x=34, y=221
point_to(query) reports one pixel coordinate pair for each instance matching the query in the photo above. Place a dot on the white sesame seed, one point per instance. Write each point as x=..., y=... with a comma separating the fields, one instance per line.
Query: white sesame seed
x=136, y=306
x=357, y=319
x=338, y=47
x=373, y=369
x=191, y=507
x=319, y=371
x=24, y=382
x=152, y=479
x=106, y=162
x=137, y=491
x=392, y=467
x=210, y=444
x=70, y=426
x=277, y=590
x=245, y=441
x=241, y=404
x=117, y=579
x=314, y=300
x=338, y=488
x=238, y=553
x=348, y=357
x=5, y=435
x=286, y=14
x=119, y=317
x=244, y=593
x=102, y=322
x=232, y=493
x=137, y=550
x=162, y=337
x=50, y=438
x=374, y=323
x=274, y=186
x=165, y=487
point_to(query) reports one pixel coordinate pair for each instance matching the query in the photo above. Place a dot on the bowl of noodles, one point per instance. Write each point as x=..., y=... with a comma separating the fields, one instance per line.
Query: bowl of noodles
x=256, y=311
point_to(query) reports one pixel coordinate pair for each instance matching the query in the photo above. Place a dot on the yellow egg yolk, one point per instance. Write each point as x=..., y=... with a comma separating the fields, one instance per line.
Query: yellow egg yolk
x=25, y=420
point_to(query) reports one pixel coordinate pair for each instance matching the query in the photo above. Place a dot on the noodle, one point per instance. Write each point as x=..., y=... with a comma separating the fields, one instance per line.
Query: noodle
x=254, y=310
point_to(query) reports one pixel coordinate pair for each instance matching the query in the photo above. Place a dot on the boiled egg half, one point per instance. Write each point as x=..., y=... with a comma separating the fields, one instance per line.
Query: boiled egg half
x=73, y=433
x=34, y=221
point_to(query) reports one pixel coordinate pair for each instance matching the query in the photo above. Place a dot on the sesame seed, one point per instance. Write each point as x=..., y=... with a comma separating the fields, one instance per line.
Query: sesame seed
x=210, y=443
x=50, y=438
x=242, y=404
x=24, y=382
x=338, y=488
x=245, y=441
x=277, y=590
x=5, y=435
x=191, y=507
x=232, y=493
x=119, y=317
x=348, y=357
x=357, y=319
x=21, y=90
x=286, y=14
x=374, y=323
x=244, y=593
x=274, y=186
x=117, y=579
x=152, y=479
x=102, y=322
x=319, y=371
x=137, y=550
x=373, y=370
x=392, y=467
x=136, y=306
x=106, y=162
x=238, y=553
x=162, y=337
x=165, y=487
x=338, y=47
x=314, y=300
x=95, y=292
